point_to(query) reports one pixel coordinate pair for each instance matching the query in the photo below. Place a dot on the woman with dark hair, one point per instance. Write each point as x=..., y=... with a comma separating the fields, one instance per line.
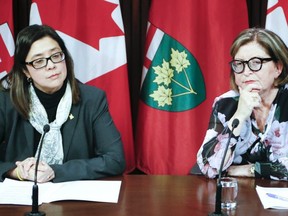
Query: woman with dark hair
x=41, y=89
x=258, y=99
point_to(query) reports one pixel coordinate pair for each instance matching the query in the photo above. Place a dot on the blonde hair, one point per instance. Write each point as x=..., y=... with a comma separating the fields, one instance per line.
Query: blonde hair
x=271, y=42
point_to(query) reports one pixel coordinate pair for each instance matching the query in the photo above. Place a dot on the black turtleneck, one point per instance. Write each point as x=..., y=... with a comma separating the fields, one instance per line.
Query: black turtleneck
x=50, y=103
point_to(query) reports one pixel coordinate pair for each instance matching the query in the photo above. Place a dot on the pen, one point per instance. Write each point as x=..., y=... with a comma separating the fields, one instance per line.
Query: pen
x=277, y=197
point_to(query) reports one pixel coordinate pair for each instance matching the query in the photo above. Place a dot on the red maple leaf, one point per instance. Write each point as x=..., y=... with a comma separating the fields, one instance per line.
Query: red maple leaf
x=6, y=61
x=6, y=19
x=85, y=20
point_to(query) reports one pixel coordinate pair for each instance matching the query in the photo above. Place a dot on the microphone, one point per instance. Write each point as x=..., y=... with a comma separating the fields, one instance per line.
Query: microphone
x=35, y=211
x=218, y=211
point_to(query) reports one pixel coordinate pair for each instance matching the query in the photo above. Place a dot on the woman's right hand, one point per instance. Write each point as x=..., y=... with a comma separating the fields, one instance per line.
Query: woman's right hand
x=21, y=172
x=25, y=170
x=248, y=100
x=24, y=167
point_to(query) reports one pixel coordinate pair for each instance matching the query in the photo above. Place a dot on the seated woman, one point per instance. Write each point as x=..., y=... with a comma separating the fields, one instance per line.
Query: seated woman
x=259, y=100
x=82, y=143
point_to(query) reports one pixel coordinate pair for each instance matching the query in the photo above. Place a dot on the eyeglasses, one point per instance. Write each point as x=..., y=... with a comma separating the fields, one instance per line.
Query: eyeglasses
x=42, y=62
x=254, y=64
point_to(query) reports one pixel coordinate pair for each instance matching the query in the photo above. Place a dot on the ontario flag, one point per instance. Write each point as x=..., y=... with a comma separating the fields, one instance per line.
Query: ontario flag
x=7, y=45
x=94, y=34
x=185, y=68
x=276, y=18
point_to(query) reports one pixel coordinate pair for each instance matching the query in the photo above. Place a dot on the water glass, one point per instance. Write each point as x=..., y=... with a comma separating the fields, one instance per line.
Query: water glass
x=229, y=193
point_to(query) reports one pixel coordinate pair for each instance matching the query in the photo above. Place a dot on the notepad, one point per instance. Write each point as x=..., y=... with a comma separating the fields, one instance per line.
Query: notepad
x=273, y=197
x=20, y=192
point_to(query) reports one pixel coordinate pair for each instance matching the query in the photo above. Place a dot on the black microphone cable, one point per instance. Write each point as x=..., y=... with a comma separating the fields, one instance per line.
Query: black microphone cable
x=35, y=199
x=218, y=211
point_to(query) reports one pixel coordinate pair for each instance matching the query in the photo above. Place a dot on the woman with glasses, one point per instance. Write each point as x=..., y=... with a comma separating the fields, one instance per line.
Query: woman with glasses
x=259, y=100
x=44, y=108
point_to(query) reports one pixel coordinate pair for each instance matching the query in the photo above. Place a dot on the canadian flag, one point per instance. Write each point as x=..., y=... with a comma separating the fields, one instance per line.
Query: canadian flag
x=6, y=37
x=94, y=34
x=276, y=18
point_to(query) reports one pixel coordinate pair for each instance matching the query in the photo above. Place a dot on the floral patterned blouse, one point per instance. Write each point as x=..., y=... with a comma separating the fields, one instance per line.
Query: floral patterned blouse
x=268, y=149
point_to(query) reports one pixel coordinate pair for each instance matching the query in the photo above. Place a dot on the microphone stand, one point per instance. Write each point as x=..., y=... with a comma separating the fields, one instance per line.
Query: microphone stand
x=35, y=211
x=218, y=198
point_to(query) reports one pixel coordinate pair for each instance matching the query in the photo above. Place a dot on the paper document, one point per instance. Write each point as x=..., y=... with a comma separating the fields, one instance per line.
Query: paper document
x=272, y=197
x=20, y=192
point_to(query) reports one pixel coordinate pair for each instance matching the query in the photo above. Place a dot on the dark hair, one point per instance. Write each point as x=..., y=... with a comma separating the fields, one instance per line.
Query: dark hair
x=16, y=80
x=273, y=45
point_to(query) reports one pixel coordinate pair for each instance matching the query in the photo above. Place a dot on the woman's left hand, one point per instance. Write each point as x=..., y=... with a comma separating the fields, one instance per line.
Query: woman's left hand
x=44, y=174
x=241, y=170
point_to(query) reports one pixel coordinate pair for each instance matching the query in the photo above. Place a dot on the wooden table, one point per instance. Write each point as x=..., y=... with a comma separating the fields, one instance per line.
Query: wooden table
x=151, y=195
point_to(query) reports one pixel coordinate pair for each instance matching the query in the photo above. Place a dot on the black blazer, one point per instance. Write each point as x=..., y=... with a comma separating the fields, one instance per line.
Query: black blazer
x=92, y=144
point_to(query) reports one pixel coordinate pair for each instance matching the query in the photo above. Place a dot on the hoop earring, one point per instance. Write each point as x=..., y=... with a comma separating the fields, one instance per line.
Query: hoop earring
x=29, y=79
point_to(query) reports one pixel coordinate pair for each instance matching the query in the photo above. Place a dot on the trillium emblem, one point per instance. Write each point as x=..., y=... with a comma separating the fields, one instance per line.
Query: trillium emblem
x=165, y=75
x=174, y=80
